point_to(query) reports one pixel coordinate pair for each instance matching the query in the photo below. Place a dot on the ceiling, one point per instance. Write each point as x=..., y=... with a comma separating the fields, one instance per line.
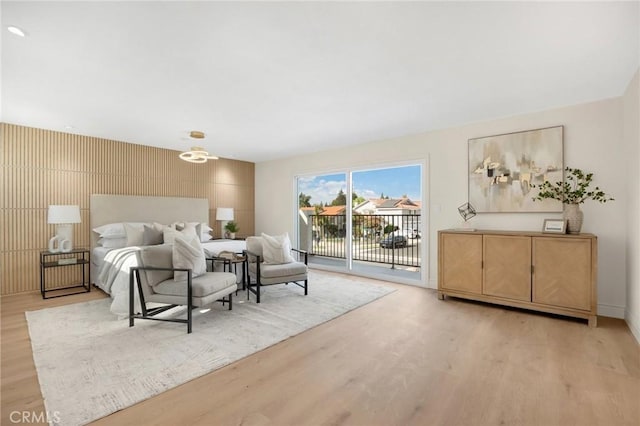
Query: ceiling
x=269, y=80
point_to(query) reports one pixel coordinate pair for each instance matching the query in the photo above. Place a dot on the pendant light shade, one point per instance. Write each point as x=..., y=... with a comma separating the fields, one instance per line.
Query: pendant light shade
x=197, y=153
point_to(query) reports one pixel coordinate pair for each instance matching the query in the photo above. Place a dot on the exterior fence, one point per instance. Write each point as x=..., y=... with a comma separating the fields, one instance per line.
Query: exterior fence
x=385, y=239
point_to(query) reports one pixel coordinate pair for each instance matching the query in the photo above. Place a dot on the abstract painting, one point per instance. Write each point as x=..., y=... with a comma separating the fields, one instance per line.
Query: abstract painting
x=503, y=168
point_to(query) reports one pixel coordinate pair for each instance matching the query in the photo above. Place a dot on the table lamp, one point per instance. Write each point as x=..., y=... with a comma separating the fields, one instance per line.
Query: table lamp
x=224, y=214
x=63, y=217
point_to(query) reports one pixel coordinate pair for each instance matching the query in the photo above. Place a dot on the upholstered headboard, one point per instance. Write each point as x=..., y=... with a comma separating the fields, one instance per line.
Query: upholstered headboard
x=132, y=208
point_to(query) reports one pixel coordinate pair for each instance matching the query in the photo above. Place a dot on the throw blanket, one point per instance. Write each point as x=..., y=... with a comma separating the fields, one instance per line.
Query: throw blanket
x=113, y=278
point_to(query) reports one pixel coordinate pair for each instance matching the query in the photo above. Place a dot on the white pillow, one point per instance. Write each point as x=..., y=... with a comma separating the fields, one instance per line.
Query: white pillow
x=276, y=249
x=115, y=230
x=170, y=233
x=111, y=230
x=112, y=242
x=135, y=234
x=188, y=254
x=158, y=226
x=205, y=235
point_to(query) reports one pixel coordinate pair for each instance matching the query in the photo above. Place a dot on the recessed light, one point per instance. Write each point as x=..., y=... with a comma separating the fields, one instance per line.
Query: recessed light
x=16, y=31
x=69, y=127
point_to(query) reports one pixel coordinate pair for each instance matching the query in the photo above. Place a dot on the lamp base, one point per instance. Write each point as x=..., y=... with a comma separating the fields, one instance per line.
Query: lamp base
x=64, y=232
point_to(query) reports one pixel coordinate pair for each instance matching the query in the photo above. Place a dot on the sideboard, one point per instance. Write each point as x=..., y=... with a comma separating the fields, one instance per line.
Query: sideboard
x=555, y=273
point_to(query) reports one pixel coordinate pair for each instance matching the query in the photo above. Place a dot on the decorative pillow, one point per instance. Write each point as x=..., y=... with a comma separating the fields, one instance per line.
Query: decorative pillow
x=152, y=236
x=112, y=242
x=276, y=249
x=158, y=226
x=178, y=226
x=188, y=254
x=170, y=233
x=135, y=234
x=205, y=232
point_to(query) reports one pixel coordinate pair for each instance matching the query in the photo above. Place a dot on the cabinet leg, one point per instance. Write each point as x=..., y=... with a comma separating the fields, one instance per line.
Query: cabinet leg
x=440, y=296
x=593, y=321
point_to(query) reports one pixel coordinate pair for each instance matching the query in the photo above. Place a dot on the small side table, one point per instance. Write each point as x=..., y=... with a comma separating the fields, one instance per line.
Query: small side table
x=227, y=264
x=79, y=257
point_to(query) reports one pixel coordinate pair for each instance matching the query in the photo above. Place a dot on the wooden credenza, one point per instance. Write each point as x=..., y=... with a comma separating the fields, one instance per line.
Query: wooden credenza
x=544, y=272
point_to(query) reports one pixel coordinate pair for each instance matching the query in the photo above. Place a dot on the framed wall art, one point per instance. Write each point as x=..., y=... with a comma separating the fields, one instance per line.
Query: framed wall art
x=502, y=169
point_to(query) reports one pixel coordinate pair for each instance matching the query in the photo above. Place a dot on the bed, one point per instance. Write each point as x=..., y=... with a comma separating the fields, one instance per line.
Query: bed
x=110, y=266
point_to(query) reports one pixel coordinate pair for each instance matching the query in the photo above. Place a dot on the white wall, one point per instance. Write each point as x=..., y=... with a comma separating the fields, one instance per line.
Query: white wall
x=593, y=141
x=631, y=132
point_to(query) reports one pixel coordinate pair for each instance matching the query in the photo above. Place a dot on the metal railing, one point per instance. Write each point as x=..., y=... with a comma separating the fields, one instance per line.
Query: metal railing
x=385, y=239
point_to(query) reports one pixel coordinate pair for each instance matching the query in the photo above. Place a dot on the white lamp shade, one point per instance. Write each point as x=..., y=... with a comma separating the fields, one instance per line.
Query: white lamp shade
x=224, y=213
x=64, y=214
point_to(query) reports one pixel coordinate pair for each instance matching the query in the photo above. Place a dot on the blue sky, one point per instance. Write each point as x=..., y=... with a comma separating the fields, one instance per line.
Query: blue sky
x=393, y=182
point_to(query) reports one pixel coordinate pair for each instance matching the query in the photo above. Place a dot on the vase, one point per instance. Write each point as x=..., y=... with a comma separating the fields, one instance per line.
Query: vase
x=573, y=215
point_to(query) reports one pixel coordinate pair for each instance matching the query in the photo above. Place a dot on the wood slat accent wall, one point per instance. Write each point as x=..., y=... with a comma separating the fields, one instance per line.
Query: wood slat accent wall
x=43, y=167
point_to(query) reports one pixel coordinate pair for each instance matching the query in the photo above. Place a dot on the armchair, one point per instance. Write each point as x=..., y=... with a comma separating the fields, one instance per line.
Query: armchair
x=155, y=282
x=264, y=269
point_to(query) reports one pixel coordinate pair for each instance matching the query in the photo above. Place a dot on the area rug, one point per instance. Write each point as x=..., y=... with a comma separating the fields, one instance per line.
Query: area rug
x=91, y=364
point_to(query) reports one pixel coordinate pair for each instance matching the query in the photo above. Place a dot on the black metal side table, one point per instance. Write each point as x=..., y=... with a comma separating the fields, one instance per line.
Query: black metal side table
x=231, y=265
x=79, y=257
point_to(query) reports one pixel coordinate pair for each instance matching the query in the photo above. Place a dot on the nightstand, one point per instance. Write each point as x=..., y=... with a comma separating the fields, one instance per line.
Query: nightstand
x=78, y=257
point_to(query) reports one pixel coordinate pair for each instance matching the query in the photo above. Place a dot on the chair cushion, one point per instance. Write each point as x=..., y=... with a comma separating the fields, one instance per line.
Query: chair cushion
x=206, y=284
x=276, y=249
x=160, y=256
x=281, y=270
x=188, y=254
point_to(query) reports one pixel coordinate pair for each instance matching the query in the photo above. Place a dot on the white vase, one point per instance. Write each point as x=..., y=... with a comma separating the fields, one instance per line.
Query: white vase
x=573, y=215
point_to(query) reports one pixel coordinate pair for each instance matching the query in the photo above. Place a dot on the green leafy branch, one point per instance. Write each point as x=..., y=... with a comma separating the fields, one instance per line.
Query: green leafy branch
x=574, y=189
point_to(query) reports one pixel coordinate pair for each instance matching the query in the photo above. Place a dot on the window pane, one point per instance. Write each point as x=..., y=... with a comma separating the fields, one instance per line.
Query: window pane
x=322, y=218
x=386, y=221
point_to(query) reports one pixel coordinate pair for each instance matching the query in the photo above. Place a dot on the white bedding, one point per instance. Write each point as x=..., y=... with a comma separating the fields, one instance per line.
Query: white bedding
x=113, y=277
x=214, y=247
x=114, y=266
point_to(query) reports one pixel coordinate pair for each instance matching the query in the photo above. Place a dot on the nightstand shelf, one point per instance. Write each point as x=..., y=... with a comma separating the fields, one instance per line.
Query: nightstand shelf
x=77, y=257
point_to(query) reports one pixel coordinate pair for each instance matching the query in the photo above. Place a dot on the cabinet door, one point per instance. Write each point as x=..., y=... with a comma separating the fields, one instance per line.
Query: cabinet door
x=461, y=262
x=562, y=272
x=507, y=267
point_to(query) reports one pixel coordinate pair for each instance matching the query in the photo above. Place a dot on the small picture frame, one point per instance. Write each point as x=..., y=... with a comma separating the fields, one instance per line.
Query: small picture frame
x=554, y=226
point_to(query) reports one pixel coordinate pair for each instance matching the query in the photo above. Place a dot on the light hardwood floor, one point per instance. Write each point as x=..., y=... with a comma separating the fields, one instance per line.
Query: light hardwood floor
x=405, y=359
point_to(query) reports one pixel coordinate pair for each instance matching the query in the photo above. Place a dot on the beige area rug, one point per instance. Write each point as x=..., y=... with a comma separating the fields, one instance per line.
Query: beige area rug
x=91, y=364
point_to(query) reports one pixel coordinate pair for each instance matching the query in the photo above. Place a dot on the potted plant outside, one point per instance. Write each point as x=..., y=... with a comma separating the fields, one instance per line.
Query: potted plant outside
x=231, y=227
x=572, y=192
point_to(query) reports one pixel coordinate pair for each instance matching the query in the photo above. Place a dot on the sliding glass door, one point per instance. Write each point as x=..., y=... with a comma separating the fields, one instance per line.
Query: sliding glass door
x=368, y=221
x=387, y=221
x=322, y=218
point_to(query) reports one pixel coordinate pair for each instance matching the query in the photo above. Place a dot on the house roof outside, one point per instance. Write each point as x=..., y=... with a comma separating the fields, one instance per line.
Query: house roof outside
x=378, y=204
x=404, y=203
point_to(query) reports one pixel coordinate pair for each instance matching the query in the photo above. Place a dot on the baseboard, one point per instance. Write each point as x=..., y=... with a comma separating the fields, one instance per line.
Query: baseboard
x=611, y=311
x=633, y=322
